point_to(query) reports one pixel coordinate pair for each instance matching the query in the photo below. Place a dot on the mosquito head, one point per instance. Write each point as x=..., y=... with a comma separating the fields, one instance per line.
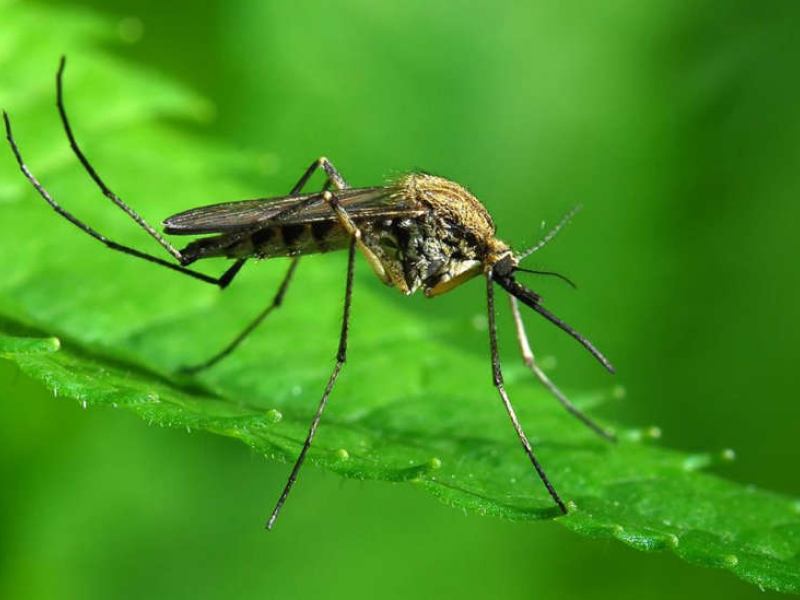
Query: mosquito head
x=502, y=271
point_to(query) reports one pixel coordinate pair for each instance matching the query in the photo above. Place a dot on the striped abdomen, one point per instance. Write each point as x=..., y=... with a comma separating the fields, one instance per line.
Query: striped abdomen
x=278, y=240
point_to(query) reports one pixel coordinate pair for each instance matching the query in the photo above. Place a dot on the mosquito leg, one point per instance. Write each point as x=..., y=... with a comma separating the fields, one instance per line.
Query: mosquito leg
x=332, y=177
x=221, y=281
x=353, y=230
x=527, y=358
x=276, y=302
x=93, y=174
x=341, y=356
x=497, y=376
x=347, y=222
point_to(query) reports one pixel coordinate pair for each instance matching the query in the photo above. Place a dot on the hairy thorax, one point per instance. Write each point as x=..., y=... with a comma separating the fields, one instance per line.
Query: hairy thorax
x=447, y=244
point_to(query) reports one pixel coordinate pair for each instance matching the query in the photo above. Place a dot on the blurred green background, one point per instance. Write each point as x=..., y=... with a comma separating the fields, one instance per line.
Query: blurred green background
x=676, y=125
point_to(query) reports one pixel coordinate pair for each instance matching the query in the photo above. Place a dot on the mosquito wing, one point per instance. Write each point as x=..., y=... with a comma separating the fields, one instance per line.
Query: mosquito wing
x=299, y=209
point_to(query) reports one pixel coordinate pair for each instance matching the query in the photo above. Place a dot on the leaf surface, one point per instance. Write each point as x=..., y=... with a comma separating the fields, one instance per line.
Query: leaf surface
x=108, y=330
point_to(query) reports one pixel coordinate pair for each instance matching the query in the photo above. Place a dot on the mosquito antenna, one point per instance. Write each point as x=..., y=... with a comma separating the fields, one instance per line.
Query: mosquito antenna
x=532, y=299
x=550, y=234
x=553, y=273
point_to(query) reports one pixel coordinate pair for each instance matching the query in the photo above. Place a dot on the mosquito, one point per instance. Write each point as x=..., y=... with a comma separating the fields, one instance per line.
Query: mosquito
x=419, y=232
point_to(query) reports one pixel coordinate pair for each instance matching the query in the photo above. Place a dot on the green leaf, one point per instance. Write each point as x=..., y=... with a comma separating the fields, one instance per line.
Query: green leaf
x=410, y=405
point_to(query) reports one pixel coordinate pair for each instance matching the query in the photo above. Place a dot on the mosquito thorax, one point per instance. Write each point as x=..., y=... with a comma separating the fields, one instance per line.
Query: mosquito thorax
x=450, y=241
x=450, y=201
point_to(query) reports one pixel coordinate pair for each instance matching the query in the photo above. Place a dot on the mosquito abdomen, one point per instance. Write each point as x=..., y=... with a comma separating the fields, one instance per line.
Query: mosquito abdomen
x=270, y=242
